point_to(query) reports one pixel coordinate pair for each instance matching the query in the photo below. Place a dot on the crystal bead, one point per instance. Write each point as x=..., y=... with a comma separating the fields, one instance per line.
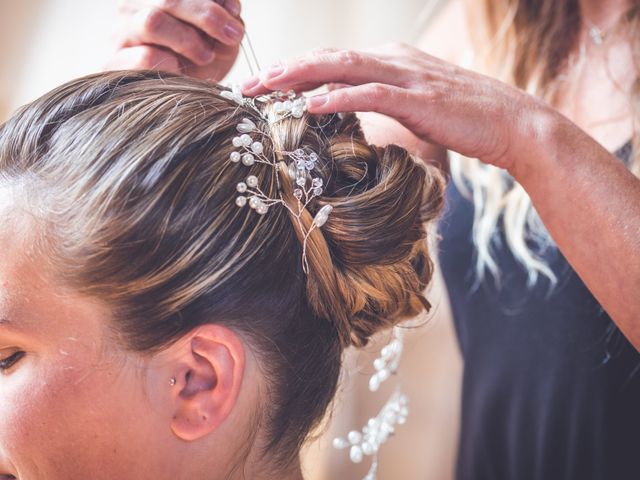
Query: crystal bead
x=248, y=159
x=257, y=148
x=309, y=165
x=317, y=182
x=252, y=181
x=313, y=157
x=297, y=112
x=237, y=142
x=301, y=164
x=241, y=187
x=299, y=152
x=300, y=181
x=287, y=105
x=297, y=193
x=235, y=157
x=355, y=454
x=241, y=201
x=278, y=107
x=246, y=126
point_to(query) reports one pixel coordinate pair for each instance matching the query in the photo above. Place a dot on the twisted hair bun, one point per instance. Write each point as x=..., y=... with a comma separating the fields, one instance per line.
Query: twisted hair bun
x=370, y=263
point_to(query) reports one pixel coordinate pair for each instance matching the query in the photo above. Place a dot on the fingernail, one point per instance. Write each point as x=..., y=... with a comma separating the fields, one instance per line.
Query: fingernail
x=207, y=56
x=233, y=7
x=318, y=101
x=233, y=31
x=250, y=84
x=274, y=71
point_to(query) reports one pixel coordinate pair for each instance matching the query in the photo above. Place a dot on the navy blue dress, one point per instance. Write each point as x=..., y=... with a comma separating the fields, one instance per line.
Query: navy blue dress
x=551, y=388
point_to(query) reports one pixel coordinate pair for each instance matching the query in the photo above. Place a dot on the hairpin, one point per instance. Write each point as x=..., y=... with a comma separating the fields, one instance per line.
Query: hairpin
x=301, y=166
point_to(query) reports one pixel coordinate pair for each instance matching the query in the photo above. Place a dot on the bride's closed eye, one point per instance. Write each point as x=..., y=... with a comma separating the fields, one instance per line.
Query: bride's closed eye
x=8, y=362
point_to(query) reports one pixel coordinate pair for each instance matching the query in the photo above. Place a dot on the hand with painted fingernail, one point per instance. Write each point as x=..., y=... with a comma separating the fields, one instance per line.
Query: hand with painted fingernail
x=200, y=38
x=438, y=102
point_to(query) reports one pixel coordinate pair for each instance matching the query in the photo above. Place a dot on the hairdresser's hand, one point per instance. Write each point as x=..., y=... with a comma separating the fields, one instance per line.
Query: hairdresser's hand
x=200, y=38
x=439, y=102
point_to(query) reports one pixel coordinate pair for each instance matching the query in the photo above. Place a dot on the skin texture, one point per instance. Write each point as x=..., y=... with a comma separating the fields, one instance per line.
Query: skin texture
x=561, y=167
x=200, y=38
x=77, y=404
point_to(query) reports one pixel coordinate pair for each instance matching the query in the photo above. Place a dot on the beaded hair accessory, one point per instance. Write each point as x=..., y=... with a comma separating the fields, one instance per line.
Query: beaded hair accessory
x=300, y=168
x=380, y=428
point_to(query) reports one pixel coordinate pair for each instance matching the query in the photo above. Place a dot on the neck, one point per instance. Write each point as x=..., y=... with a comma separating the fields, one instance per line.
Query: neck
x=603, y=13
x=265, y=472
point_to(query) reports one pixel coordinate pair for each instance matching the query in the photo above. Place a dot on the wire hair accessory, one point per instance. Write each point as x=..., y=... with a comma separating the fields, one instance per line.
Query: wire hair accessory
x=379, y=429
x=301, y=167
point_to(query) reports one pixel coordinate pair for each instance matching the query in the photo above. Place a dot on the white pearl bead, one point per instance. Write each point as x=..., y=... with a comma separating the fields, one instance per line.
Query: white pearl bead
x=262, y=209
x=355, y=454
x=367, y=448
x=257, y=148
x=384, y=374
x=237, y=142
x=379, y=363
x=374, y=383
x=246, y=140
x=252, y=181
x=340, y=443
x=297, y=112
x=248, y=159
x=354, y=437
x=287, y=105
x=241, y=187
x=241, y=201
x=235, y=157
x=254, y=202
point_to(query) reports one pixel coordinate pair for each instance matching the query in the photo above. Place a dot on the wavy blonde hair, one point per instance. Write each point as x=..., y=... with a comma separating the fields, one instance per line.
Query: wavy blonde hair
x=529, y=45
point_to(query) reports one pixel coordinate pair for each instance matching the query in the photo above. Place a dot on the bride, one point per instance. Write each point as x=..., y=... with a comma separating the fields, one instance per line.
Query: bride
x=181, y=271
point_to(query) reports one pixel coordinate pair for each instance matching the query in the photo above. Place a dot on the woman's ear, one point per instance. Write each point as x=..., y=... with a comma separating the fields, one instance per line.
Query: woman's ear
x=207, y=385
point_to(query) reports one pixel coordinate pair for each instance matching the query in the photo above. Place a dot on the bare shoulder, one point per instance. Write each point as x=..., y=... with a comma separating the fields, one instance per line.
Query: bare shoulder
x=446, y=35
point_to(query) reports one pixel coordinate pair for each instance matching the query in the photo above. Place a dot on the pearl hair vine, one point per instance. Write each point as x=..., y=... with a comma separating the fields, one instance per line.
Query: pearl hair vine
x=380, y=428
x=300, y=169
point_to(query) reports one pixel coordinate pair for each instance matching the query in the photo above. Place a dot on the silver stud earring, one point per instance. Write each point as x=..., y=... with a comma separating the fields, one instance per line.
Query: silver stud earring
x=173, y=381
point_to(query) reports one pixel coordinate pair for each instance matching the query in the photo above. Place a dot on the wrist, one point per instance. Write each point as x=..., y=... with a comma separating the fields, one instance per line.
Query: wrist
x=537, y=137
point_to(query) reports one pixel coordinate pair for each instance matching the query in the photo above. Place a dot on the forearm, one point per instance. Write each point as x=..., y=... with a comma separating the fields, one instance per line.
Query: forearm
x=590, y=203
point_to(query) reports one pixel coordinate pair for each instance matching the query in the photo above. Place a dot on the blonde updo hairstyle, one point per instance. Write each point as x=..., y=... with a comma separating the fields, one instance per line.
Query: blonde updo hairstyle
x=128, y=174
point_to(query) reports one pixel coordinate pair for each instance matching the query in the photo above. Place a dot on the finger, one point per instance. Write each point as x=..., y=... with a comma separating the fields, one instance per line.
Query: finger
x=206, y=15
x=156, y=27
x=395, y=102
x=350, y=67
x=144, y=57
x=337, y=86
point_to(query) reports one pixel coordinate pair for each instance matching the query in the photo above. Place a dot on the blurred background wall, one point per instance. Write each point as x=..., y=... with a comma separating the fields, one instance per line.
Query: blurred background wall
x=46, y=42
